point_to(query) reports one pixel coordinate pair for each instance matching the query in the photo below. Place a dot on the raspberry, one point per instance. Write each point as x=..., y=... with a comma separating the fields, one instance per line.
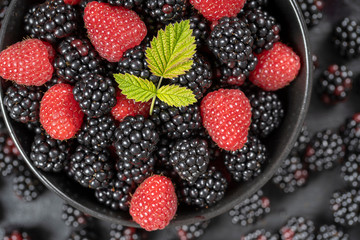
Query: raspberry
x=154, y=203
x=226, y=115
x=298, y=228
x=113, y=30
x=27, y=63
x=192, y=231
x=350, y=133
x=119, y=232
x=350, y=169
x=60, y=114
x=26, y=185
x=82, y=234
x=276, y=68
x=215, y=9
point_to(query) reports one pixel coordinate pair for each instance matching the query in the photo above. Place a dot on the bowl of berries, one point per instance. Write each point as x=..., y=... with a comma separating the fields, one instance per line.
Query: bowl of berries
x=149, y=113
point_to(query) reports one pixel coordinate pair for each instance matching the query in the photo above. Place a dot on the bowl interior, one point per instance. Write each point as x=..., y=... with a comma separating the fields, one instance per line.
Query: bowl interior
x=296, y=98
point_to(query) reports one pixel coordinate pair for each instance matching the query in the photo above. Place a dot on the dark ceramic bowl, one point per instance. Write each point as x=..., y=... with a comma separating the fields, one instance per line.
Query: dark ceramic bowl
x=296, y=99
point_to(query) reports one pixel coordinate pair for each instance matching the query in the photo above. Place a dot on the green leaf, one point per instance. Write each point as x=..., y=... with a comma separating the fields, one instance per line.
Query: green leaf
x=141, y=90
x=171, y=52
x=175, y=95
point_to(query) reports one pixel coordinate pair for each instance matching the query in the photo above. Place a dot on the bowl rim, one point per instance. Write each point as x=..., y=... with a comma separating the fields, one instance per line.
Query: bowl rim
x=258, y=182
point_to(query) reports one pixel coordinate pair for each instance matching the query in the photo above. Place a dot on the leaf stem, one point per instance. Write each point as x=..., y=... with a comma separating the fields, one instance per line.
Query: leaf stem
x=154, y=98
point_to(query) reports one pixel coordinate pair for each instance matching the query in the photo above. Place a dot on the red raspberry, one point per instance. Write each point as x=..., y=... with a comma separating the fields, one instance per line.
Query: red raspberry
x=113, y=30
x=60, y=113
x=127, y=107
x=154, y=203
x=72, y=2
x=215, y=9
x=276, y=68
x=27, y=63
x=226, y=115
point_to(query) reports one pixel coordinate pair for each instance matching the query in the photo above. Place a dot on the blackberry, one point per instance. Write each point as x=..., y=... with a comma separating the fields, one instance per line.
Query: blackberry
x=49, y=154
x=190, y=158
x=238, y=71
x=298, y=228
x=192, y=231
x=35, y=127
x=9, y=162
x=26, y=185
x=74, y=217
x=267, y=112
x=116, y=195
x=345, y=207
x=301, y=142
x=324, y=150
x=335, y=84
x=82, y=234
x=254, y=4
x=51, y=20
x=350, y=169
x=250, y=210
x=97, y=133
x=92, y=169
x=264, y=29
x=3, y=9
x=198, y=78
x=119, y=232
x=312, y=11
x=246, y=163
x=76, y=59
x=346, y=38
x=200, y=27
x=96, y=95
x=162, y=153
x=350, y=133
x=23, y=102
x=208, y=189
x=331, y=232
x=136, y=139
x=16, y=234
x=260, y=234
x=125, y=3
x=175, y=122
x=166, y=11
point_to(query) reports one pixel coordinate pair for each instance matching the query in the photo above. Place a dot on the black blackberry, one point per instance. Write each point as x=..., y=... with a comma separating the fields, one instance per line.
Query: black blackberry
x=92, y=169
x=301, y=142
x=345, y=207
x=335, y=84
x=97, y=133
x=176, y=122
x=238, y=71
x=116, y=195
x=3, y=8
x=190, y=158
x=82, y=234
x=136, y=139
x=198, y=78
x=74, y=217
x=51, y=20
x=208, y=190
x=192, y=231
x=298, y=228
x=350, y=133
x=26, y=185
x=119, y=232
x=346, y=38
x=331, y=232
x=16, y=234
x=200, y=27
x=264, y=29
x=23, y=102
x=312, y=11
x=76, y=59
x=49, y=154
x=9, y=162
x=166, y=11
x=254, y=4
x=231, y=41
x=162, y=153
x=250, y=210
x=96, y=95
x=125, y=3
x=260, y=234
x=350, y=169
x=246, y=163
x=324, y=150
x=267, y=112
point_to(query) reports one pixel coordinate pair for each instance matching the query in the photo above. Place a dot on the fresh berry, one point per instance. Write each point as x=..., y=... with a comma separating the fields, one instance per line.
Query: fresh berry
x=345, y=207
x=226, y=115
x=26, y=185
x=74, y=217
x=213, y=10
x=350, y=169
x=335, y=84
x=166, y=11
x=276, y=68
x=312, y=11
x=154, y=203
x=17, y=235
x=260, y=234
x=126, y=3
x=346, y=37
x=97, y=133
x=250, y=210
x=82, y=234
x=254, y=4
x=72, y=2
x=9, y=162
x=60, y=114
x=192, y=231
x=113, y=30
x=26, y=63
x=51, y=20
x=92, y=169
x=301, y=142
x=350, y=133
x=120, y=232
x=331, y=232
x=49, y=154
x=200, y=27
x=324, y=151
x=298, y=228
x=23, y=102
x=96, y=95
x=76, y=59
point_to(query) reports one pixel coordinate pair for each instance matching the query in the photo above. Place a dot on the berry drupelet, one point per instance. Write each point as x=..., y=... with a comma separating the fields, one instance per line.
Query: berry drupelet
x=74, y=217
x=51, y=20
x=200, y=27
x=298, y=228
x=166, y=11
x=345, y=207
x=96, y=95
x=26, y=185
x=312, y=11
x=250, y=210
x=331, y=232
x=301, y=142
x=255, y=4
x=23, y=102
x=350, y=169
x=350, y=133
x=119, y=232
x=192, y=231
x=16, y=234
x=260, y=234
x=346, y=38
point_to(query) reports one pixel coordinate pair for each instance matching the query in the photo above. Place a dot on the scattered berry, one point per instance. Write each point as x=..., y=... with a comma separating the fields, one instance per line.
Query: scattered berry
x=298, y=228
x=350, y=133
x=192, y=231
x=119, y=232
x=350, y=169
x=345, y=207
x=312, y=11
x=26, y=185
x=331, y=232
x=74, y=217
x=346, y=38
x=260, y=234
x=82, y=234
